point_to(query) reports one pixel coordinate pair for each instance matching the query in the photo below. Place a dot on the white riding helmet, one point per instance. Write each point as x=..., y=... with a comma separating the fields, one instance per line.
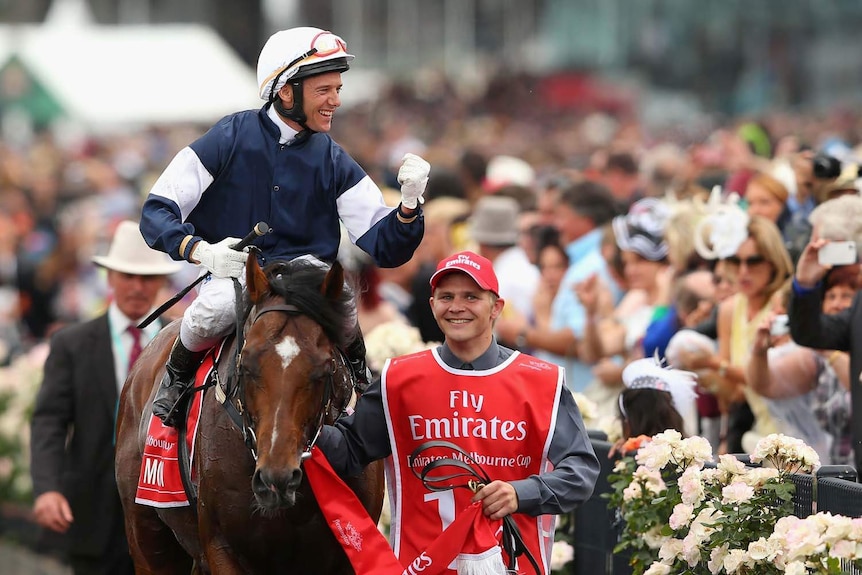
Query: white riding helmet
x=298, y=53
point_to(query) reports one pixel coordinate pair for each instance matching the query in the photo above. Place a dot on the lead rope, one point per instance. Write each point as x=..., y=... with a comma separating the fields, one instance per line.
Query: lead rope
x=513, y=541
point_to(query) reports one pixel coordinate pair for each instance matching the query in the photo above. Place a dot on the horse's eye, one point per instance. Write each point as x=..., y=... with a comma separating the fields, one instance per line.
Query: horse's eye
x=248, y=371
x=317, y=375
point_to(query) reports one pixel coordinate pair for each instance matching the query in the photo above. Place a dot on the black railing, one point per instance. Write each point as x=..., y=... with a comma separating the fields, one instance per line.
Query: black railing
x=593, y=523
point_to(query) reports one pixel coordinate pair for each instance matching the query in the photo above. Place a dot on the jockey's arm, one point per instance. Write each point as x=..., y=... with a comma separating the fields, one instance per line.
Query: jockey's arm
x=176, y=192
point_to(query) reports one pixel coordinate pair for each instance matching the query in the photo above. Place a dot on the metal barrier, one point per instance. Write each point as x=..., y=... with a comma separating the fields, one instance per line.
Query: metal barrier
x=840, y=497
x=803, y=499
x=833, y=488
x=593, y=525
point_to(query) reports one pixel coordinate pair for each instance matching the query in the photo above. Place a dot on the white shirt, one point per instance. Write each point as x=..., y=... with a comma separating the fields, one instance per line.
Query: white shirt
x=519, y=279
x=121, y=340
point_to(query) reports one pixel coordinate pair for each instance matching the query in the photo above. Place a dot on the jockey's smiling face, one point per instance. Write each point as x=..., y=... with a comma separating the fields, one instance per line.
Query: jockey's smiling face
x=320, y=97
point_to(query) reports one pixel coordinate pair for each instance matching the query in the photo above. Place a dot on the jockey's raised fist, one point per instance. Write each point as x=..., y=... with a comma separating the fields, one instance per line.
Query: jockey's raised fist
x=413, y=177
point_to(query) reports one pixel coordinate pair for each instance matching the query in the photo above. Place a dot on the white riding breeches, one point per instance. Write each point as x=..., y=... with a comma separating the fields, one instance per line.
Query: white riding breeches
x=212, y=314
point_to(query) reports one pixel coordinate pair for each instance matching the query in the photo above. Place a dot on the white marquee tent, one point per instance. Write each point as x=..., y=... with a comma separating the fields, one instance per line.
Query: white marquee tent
x=112, y=76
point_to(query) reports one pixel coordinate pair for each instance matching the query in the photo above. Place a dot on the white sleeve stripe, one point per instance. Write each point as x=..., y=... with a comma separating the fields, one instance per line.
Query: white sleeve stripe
x=360, y=207
x=183, y=181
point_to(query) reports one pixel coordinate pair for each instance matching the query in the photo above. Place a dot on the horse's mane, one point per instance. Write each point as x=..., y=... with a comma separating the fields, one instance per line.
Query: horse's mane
x=299, y=282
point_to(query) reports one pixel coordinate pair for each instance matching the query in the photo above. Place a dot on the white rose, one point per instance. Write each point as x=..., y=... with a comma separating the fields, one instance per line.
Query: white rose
x=658, y=569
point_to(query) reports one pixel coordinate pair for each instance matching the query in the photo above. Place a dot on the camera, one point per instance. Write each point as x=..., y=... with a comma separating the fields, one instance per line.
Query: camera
x=826, y=167
x=780, y=326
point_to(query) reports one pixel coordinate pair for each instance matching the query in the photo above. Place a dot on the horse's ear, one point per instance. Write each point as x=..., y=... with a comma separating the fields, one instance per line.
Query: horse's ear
x=333, y=283
x=255, y=279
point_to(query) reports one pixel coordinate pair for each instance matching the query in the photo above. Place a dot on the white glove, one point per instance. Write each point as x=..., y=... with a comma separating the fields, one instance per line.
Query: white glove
x=413, y=176
x=220, y=259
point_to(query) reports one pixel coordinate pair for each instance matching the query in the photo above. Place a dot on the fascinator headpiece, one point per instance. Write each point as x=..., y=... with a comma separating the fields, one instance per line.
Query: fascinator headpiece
x=723, y=228
x=649, y=373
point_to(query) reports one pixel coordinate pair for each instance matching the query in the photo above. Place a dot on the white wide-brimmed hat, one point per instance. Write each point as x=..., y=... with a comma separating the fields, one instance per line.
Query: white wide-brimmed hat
x=130, y=254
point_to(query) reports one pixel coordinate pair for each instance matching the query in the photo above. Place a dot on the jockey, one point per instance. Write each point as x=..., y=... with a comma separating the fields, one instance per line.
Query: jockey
x=278, y=165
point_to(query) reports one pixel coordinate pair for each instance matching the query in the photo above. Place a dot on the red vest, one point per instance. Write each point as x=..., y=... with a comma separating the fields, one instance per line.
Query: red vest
x=503, y=417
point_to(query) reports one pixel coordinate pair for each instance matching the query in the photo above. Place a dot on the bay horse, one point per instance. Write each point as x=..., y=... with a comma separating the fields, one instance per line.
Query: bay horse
x=255, y=512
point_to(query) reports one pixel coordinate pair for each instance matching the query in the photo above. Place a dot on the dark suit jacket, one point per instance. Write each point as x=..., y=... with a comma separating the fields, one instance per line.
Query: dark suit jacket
x=78, y=400
x=842, y=331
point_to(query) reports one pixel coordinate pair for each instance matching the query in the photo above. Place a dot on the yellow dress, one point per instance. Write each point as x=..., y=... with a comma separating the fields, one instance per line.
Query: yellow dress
x=742, y=333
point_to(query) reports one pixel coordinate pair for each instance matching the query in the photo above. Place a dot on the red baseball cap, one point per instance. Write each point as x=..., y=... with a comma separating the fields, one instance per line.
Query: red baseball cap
x=472, y=264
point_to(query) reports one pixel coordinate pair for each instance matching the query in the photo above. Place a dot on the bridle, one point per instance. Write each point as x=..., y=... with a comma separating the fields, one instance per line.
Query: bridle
x=238, y=392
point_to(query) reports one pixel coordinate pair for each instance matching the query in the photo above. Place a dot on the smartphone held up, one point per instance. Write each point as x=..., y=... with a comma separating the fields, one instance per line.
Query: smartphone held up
x=837, y=253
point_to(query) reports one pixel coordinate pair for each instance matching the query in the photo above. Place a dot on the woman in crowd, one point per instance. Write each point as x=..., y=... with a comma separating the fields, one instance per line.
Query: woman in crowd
x=761, y=266
x=608, y=337
x=767, y=197
x=649, y=400
x=552, y=261
x=643, y=253
x=817, y=381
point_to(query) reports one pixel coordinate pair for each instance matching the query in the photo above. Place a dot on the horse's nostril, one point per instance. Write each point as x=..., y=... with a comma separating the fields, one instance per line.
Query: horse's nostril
x=295, y=479
x=285, y=482
x=258, y=485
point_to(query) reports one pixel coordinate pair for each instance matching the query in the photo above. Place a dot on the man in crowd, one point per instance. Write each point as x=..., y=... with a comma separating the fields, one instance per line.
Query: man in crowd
x=511, y=408
x=72, y=455
x=583, y=209
x=812, y=328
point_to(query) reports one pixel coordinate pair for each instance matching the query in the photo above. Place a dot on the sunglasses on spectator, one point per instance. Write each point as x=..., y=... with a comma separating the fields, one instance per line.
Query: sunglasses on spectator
x=750, y=261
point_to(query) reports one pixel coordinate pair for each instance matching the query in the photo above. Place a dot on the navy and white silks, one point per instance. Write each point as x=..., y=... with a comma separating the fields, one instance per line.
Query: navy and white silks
x=249, y=167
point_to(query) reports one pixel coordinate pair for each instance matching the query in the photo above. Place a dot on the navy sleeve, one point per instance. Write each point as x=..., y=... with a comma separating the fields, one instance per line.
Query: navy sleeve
x=392, y=242
x=810, y=327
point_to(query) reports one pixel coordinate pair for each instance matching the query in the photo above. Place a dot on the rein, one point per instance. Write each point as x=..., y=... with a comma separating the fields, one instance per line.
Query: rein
x=476, y=477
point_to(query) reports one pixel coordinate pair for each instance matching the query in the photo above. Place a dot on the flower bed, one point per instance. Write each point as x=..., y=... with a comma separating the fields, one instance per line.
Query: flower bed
x=683, y=518
x=19, y=383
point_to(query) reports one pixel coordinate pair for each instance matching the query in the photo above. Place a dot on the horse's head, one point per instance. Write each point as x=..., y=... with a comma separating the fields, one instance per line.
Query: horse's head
x=290, y=371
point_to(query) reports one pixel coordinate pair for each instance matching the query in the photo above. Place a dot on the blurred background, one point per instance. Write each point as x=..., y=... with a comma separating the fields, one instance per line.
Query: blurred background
x=645, y=56
x=96, y=96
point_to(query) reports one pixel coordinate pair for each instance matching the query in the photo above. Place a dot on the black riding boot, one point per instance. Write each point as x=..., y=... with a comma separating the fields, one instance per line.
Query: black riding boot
x=181, y=367
x=356, y=356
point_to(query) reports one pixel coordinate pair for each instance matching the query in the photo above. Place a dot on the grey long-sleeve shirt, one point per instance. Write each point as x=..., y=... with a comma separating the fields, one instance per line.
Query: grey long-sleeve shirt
x=361, y=438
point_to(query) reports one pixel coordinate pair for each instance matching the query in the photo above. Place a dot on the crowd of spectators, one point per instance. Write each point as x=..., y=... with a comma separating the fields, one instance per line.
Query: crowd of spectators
x=610, y=239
